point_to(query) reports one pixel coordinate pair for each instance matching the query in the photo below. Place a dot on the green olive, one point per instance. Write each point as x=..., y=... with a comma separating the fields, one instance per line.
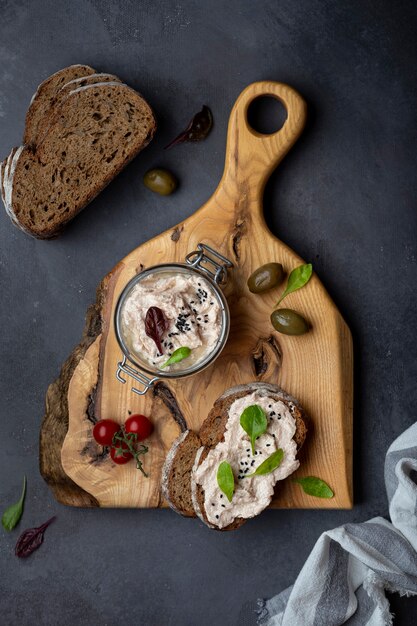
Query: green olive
x=289, y=322
x=160, y=181
x=266, y=277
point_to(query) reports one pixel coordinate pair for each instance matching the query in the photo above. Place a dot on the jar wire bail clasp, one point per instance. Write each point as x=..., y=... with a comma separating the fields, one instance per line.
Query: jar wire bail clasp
x=206, y=259
x=140, y=377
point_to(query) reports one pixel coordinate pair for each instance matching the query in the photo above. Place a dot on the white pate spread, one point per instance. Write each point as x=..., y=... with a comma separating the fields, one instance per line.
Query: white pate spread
x=252, y=495
x=191, y=309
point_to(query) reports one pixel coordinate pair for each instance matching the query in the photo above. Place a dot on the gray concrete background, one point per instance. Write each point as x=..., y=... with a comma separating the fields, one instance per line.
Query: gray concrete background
x=344, y=198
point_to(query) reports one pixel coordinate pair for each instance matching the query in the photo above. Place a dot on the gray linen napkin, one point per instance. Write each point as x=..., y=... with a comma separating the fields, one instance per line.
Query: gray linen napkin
x=344, y=578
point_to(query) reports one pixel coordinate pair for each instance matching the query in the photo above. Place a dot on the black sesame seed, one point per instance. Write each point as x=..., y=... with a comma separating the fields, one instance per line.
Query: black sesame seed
x=224, y=506
x=267, y=445
x=217, y=517
x=212, y=504
x=221, y=495
x=253, y=462
x=247, y=449
x=269, y=406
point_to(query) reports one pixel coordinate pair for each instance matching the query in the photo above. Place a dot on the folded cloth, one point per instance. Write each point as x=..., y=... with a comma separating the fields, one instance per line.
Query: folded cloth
x=344, y=578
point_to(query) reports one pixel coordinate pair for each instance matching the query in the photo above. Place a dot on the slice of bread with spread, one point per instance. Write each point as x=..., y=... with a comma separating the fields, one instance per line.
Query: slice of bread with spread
x=223, y=439
x=90, y=133
x=43, y=98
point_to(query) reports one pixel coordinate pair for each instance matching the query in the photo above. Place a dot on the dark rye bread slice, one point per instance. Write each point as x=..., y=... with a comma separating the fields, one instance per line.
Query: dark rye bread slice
x=45, y=122
x=214, y=426
x=44, y=96
x=176, y=473
x=95, y=132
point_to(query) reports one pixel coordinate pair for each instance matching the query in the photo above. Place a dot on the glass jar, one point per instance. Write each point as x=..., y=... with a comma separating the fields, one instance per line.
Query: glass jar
x=206, y=263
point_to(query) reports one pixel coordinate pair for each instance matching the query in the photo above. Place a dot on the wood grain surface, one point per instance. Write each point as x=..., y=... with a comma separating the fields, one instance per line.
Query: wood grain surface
x=317, y=368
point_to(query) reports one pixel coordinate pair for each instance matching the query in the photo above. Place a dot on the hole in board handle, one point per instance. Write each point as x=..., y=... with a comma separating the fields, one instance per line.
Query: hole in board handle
x=266, y=115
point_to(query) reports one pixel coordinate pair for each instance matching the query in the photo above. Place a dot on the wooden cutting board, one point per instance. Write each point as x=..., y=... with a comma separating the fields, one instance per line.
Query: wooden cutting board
x=316, y=368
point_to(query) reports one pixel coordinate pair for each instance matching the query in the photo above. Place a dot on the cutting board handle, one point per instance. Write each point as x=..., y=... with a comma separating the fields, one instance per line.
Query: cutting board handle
x=252, y=156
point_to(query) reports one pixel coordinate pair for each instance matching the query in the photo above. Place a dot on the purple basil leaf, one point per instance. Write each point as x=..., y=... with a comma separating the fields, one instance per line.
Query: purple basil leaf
x=197, y=129
x=155, y=326
x=31, y=539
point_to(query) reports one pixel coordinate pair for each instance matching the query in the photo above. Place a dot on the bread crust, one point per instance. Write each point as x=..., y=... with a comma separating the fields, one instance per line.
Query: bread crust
x=176, y=473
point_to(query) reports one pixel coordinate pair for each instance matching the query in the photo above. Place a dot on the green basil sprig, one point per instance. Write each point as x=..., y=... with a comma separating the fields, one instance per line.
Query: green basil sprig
x=226, y=480
x=297, y=279
x=314, y=486
x=269, y=465
x=178, y=355
x=254, y=423
x=13, y=513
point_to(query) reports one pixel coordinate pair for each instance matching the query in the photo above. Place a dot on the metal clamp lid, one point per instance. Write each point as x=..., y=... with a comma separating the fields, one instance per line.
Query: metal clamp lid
x=137, y=375
x=200, y=256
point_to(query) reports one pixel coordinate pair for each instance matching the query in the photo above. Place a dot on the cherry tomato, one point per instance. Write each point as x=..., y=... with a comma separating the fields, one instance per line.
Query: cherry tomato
x=104, y=430
x=122, y=458
x=140, y=425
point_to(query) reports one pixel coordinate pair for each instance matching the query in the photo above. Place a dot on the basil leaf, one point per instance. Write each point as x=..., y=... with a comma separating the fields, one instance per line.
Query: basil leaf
x=31, y=539
x=178, y=355
x=12, y=515
x=314, y=486
x=269, y=465
x=297, y=279
x=226, y=480
x=254, y=423
x=155, y=326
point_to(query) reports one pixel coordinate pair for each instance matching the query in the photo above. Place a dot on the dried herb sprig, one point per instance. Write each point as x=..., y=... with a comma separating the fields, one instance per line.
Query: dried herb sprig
x=129, y=440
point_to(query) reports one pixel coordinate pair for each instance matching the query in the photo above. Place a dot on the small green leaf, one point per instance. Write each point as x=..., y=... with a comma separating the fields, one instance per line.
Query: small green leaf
x=12, y=515
x=269, y=465
x=314, y=486
x=178, y=355
x=297, y=279
x=226, y=480
x=254, y=423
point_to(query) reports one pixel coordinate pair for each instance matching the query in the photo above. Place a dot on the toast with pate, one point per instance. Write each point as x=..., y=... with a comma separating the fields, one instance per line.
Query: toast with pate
x=190, y=472
x=84, y=128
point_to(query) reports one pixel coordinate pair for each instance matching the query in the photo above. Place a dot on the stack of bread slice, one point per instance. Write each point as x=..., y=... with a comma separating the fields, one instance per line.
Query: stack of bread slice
x=82, y=128
x=182, y=483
